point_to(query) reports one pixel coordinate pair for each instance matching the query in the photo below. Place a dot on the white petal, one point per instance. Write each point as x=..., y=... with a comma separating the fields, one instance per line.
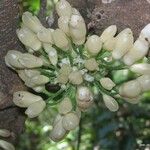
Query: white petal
x=6, y=145
x=75, y=78
x=39, y=80
x=53, y=57
x=109, y=44
x=91, y=64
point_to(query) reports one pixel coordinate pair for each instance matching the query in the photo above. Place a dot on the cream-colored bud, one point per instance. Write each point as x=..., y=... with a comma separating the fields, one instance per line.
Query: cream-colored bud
x=65, y=106
x=75, y=12
x=45, y=35
x=132, y=100
x=84, y=97
x=11, y=59
x=32, y=22
x=93, y=44
x=130, y=89
x=60, y=39
x=77, y=27
x=6, y=145
x=46, y=62
x=63, y=8
x=5, y=133
x=39, y=80
x=24, y=98
x=62, y=78
x=110, y=103
x=58, y=132
x=65, y=69
x=91, y=64
x=63, y=22
x=31, y=72
x=141, y=68
x=109, y=32
x=28, y=38
x=78, y=41
x=107, y=83
x=137, y=52
x=124, y=42
x=109, y=44
x=75, y=77
x=145, y=33
x=53, y=56
x=39, y=89
x=30, y=61
x=70, y=121
x=144, y=81
x=35, y=109
x=57, y=119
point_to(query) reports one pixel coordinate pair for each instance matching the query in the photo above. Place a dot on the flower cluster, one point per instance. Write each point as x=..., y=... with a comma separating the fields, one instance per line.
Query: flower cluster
x=67, y=66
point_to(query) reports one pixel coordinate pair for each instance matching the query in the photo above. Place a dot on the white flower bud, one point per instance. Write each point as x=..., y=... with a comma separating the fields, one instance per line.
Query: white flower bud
x=35, y=109
x=5, y=133
x=84, y=97
x=70, y=121
x=57, y=119
x=144, y=81
x=110, y=103
x=62, y=78
x=65, y=106
x=75, y=12
x=78, y=41
x=32, y=22
x=109, y=44
x=45, y=35
x=145, y=33
x=109, y=32
x=130, y=89
x=132, y=100
x=91, y=64
x=141, y=68
x=30, y=61
x=63, y=8
x=46, y=62
x=58, y=132
x=63, y=22
x=6, y=145
x=77, y=28
x=75, y=77
x=124, y=42
x=11, y=59
x=39, y=89
x=28, y=38
x=137, y=52
x=60, y=39
x=65, y=69
x=53, y=56
x=24, y=98
x=93, y=44
x=107, y=83
x=39, y=80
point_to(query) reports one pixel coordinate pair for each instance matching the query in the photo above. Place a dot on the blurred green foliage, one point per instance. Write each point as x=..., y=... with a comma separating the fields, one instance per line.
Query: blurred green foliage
x=127, y=129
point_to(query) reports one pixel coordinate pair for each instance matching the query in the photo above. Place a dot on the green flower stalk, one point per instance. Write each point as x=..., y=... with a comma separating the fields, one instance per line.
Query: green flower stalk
x=64, y=64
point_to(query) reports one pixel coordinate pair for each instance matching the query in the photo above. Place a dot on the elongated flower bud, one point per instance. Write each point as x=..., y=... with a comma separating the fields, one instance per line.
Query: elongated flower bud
x=28, y=38
x=39, y=80
x=12, y=59
x=132, y=100
x=124, y=42
x=78, y=41
x=130, y=89
x=5, y=133
x=32, y=22
x=144, y=81
x=109, y=32
x=91, y=64
x=137, y=52
x=63, y=24
x=109, y=44
x=30, y=61
x=60, y=39
x=24, y=98
x=70, y=121
x=58, y=132
x=45, y=35
x=65, y=106
x=84, y=97
x=35, y=109
x=145, y=33
x=141, y=68
x=75, y=77
x=57, y=119
x=93, y=44
x=39, y=89
x=63, y=8
x=110, y=103
x=6, y=145
x=107, y=83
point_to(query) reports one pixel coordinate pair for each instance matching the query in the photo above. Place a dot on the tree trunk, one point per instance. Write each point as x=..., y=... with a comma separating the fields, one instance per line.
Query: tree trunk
x=11, y=117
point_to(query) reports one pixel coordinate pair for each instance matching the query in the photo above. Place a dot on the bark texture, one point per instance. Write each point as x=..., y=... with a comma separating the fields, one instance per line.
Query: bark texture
x=11, y=117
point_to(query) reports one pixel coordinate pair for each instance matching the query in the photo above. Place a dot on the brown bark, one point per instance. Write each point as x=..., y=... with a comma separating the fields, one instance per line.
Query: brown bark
x=11, y=117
